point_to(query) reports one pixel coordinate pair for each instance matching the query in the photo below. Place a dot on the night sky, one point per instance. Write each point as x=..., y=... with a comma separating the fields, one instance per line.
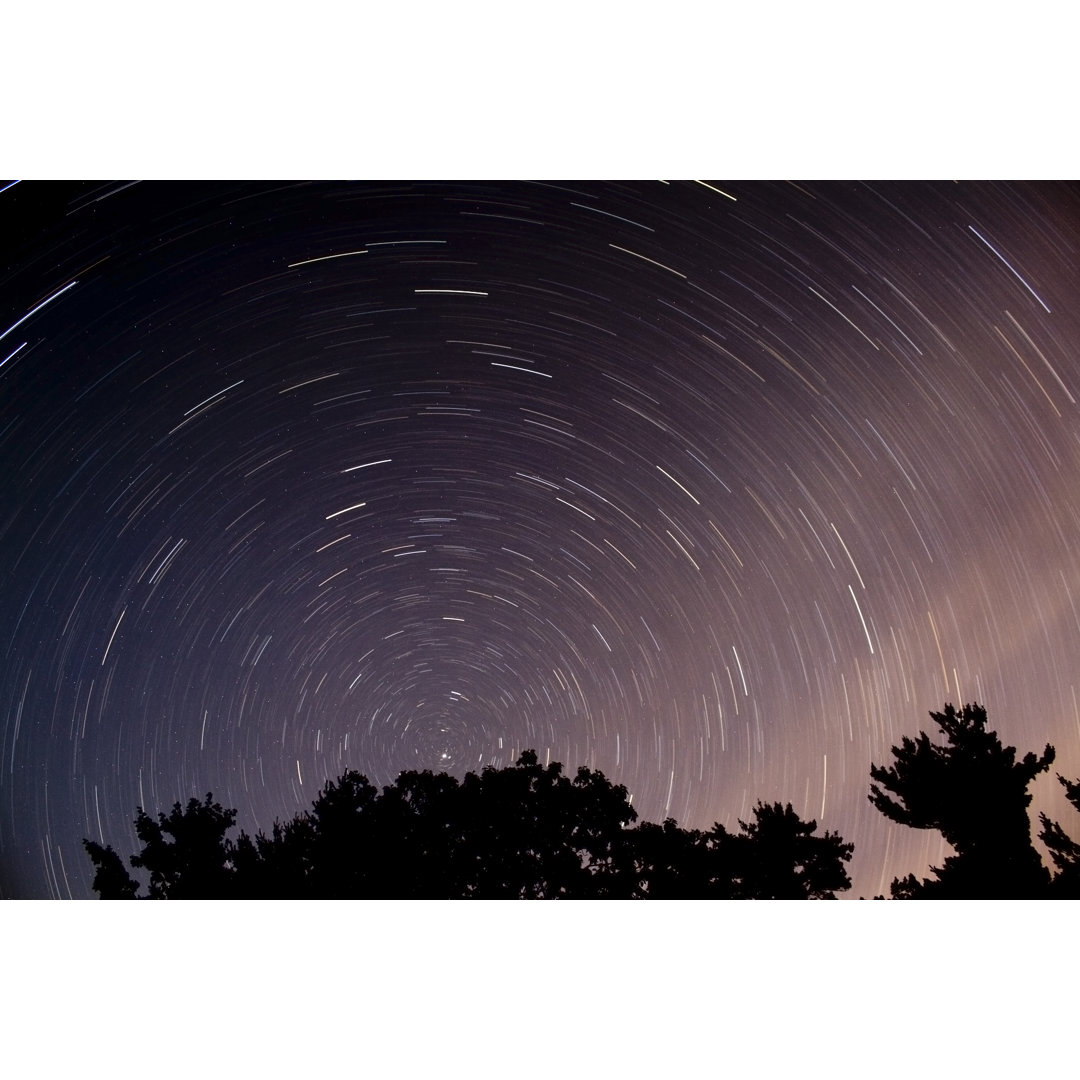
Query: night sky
x=717, y=487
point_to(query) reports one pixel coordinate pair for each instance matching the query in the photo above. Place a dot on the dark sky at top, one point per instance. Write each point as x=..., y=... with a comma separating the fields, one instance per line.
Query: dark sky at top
x=718, y=488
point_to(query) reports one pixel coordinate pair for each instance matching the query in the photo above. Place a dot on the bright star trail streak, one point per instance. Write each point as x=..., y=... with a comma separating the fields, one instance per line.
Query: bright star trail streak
x=717, y=487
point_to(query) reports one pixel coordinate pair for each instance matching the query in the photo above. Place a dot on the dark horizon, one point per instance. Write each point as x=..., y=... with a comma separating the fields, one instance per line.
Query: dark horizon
x=717, y=488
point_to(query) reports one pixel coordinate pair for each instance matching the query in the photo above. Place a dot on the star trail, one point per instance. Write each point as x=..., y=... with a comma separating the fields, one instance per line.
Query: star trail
x=718, y=487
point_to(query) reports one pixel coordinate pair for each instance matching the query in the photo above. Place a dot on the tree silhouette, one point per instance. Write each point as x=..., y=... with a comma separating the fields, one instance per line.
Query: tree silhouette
x=774, y=857
x=670, y=863
x=1063, y=849
x=197, y=861
x=974, y=791
x=111, y=880
x=777, y=857
x=526, y=831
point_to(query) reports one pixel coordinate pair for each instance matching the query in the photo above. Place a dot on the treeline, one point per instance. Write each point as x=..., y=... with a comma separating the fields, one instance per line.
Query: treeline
x=528, y=831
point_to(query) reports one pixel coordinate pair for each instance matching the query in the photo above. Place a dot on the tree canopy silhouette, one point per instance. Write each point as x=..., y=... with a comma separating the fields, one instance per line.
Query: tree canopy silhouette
x=1064, y=851
x=194, y=864
x=975, y=792
x=526, y=831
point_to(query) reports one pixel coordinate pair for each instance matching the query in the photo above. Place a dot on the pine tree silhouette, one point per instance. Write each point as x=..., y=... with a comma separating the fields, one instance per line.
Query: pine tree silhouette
x=1063, y=849
x=975, y=792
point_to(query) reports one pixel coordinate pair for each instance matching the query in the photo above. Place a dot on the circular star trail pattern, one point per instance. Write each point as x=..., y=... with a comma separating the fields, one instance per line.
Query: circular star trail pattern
x=716, y=487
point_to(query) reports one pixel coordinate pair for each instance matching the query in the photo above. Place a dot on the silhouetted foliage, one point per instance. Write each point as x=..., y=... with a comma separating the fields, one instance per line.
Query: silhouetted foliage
x=669, y=863
x=1063, y=849
x=975, y=792
x=778, y=858
x=111, y=880
x=197, y=861
x=774, y=857
x=526, y=831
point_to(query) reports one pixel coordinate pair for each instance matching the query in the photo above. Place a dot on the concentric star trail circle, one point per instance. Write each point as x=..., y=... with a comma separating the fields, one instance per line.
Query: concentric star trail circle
x=717, y=487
